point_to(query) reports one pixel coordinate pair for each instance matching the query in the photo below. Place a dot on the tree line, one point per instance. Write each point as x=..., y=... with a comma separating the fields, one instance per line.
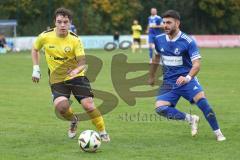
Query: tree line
x=101, y=17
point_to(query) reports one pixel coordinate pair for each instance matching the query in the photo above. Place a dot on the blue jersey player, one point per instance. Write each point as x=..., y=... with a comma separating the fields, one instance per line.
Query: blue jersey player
x=180, y=58
x=154, y=28
x=73, y=28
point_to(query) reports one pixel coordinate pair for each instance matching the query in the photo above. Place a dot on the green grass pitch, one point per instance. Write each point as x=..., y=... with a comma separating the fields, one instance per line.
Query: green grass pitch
x=29, y=129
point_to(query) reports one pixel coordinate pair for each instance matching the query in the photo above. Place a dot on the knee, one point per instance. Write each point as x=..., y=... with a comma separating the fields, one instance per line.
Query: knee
x=61, y=104
x=161, y=107
x=199, y=97
x=161, y=103
x=88, y=104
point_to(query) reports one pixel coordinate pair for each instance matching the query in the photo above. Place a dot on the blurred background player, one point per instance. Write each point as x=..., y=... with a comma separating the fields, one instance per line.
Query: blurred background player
x=154, y=28
x=136, y=34
x=180, y=57
x=116, y=37
x=3, y=44
x=66, y=62
x=73, y=28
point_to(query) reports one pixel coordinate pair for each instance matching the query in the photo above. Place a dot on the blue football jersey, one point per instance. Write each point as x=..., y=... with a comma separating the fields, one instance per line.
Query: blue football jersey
x=153, y=21
x=176, y=55
x=73, y=28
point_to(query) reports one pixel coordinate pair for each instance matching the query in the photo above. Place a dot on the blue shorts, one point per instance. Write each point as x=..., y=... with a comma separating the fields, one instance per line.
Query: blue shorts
x=151, y=38
x=172, y=94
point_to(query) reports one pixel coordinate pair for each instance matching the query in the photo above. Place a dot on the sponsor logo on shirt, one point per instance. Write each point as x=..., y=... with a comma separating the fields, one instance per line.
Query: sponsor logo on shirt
x=60, y=58
x=172, y=60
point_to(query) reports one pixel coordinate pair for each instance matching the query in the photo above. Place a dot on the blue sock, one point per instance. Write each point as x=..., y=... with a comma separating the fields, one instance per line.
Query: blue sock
x=150, y=53
x=208, y=113
x=170, y=113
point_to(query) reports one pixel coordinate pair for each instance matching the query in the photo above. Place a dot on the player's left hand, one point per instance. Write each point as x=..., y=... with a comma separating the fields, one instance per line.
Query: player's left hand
x=73, y=72
x=181, y=80
x=36, y=75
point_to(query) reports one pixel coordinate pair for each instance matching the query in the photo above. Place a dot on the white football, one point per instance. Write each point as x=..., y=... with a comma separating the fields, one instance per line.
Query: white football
x=89, y=141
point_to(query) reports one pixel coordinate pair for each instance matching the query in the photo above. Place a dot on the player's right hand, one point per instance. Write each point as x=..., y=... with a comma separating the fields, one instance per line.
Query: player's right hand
x=36, y=75
x=151, y=81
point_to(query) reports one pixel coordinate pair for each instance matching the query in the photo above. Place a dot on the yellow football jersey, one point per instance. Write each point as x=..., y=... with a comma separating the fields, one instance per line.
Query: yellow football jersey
x=136, y=30
x=60, y=54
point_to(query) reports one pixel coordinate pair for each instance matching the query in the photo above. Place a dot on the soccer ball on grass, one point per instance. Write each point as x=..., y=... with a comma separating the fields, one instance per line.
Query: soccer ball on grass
x=89, y=141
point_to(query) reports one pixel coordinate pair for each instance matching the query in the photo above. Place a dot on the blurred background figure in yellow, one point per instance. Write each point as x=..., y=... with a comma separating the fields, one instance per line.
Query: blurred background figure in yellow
x=136, y=34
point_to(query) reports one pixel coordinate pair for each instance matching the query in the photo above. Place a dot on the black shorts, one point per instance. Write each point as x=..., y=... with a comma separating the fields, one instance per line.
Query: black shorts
x=79, y=87
x=138, y=40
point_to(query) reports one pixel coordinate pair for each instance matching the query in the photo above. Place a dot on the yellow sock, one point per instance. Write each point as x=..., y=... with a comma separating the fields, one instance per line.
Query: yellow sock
x=97, y=119
x=69, y=114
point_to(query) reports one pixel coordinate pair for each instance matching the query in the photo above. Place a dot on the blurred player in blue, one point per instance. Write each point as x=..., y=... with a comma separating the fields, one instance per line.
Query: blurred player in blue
x=73, y=28
x=180, y=58
x=154, y=28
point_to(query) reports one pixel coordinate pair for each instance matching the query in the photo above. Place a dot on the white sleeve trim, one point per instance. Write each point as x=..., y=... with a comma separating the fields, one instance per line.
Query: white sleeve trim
x=195, y=57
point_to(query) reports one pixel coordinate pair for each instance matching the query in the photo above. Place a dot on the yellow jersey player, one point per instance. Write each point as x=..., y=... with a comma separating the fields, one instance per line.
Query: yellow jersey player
x=136, y=34
x=66, y=62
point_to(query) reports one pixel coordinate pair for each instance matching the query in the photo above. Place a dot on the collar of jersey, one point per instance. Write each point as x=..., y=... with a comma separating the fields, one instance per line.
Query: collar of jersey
x=175, y=38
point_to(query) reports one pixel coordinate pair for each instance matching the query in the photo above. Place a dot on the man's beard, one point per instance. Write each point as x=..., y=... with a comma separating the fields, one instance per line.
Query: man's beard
x=172, y=32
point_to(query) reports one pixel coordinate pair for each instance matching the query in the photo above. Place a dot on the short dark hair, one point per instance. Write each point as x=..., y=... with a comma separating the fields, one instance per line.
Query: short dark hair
x=64, y=12
x=171, y=13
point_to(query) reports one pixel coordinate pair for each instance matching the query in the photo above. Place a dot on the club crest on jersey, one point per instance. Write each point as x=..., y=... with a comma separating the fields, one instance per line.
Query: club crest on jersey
x=176, y=51
x=67, y=49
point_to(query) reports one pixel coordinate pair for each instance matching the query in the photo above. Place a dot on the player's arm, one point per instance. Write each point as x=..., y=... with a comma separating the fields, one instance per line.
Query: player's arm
x=192, y=73
x=35, y=56
x=161, y=26
x=81, y=66
x=195, y=68
x=81, y=60
x=139, y=28
x=36, y=69
x=195, y=57
x=36, y=75
x=153, y=68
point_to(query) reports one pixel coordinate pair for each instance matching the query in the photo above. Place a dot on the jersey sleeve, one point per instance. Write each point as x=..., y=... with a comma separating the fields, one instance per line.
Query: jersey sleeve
x=193, y=51
x=79, y=49
x=38, y=43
